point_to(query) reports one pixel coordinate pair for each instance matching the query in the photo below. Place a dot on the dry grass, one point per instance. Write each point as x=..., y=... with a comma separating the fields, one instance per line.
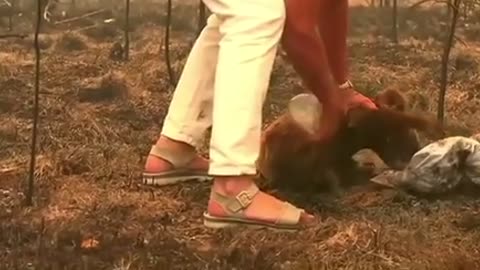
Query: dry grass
x=102, y=33
x=71, y=42
x=106, y=88
x=98, y=119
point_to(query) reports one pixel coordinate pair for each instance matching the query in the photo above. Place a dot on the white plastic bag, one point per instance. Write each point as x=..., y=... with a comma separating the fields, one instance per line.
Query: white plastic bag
x=439, y=167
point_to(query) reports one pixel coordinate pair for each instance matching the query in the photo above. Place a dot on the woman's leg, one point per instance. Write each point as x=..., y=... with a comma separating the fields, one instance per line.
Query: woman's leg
x=189, y=115
x=251, y=31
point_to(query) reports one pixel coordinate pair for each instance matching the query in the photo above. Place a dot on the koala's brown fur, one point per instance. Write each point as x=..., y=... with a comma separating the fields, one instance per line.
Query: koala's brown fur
x=392, y=99
x=291, y=157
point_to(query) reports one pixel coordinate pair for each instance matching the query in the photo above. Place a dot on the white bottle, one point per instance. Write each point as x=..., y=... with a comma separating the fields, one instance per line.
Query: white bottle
x=306, y=110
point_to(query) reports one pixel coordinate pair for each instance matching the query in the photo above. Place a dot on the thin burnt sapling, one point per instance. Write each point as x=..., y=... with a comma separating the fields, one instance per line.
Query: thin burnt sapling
x=291, y=157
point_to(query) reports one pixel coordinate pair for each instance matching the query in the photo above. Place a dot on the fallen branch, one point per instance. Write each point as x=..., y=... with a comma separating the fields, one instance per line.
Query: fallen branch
x=6, y=3
x=419, y=4
x=84, y=28
x=81, y=17
x=22, y=36
x=8, y=170
x=105, y=22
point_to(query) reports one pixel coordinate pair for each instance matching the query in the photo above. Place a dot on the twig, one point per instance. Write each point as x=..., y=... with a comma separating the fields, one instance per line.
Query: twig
x=22, y=36
x=127, y=26
x=419, y=3
x=6, y=3
x=98, y=129
x=31, y=175
x=449, y=3
x=8, y=170
x=46, y=13
x=81, y=17
x=86, y=28
x=171, y=75
x=459, y=39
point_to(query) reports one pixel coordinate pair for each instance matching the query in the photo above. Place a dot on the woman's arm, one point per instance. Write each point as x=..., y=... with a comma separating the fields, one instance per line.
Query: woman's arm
x=332, y=21
x=306, y=51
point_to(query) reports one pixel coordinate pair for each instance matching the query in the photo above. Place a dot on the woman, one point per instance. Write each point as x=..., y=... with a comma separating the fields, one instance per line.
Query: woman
x=224, y=84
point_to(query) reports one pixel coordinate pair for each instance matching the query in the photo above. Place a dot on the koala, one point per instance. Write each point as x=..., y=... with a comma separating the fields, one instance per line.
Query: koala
x=291, y=157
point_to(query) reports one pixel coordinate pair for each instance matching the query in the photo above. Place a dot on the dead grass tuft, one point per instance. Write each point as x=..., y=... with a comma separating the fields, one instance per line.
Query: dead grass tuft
x=102, y=33
x=44, y=41
x=8, y=130
x=71, y=42
x=111, y=86
x=74, y=161
x=117, y=52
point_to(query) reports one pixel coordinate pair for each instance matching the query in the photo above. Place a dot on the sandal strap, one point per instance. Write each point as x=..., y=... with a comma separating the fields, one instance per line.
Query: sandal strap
x=234, y=205
x=177, y=160
x=290, y=215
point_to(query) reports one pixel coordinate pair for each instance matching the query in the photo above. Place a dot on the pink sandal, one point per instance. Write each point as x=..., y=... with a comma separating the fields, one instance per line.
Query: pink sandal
x=235, y=207
x=179, y=173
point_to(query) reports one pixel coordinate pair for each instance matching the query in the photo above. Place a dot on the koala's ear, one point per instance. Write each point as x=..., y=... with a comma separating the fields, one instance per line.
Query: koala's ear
x=392, y=99
x=356, y=116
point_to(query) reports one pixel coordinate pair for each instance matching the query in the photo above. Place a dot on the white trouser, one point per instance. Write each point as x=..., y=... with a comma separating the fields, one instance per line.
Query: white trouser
x=225, y=81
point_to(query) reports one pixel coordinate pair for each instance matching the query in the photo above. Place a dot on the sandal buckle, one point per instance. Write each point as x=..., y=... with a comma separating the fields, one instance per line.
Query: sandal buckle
x=244, y=198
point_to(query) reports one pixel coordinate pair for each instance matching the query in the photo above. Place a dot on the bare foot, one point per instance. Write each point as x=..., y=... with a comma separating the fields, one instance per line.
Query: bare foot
x=264, y=207
x=155, y=164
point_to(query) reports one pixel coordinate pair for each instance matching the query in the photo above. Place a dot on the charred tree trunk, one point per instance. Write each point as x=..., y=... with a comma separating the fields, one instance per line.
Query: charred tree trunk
x=33, y=154
x=22, y=36
x=449, y=8
x=395, y=22
x=11, y=14
x=445, y=57
x=127, y=29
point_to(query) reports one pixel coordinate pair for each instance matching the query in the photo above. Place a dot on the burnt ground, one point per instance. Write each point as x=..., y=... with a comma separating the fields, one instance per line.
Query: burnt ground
x=98, y=118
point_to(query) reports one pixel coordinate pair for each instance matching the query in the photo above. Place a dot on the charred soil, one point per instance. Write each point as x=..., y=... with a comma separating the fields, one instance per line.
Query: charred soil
x=99, y=117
